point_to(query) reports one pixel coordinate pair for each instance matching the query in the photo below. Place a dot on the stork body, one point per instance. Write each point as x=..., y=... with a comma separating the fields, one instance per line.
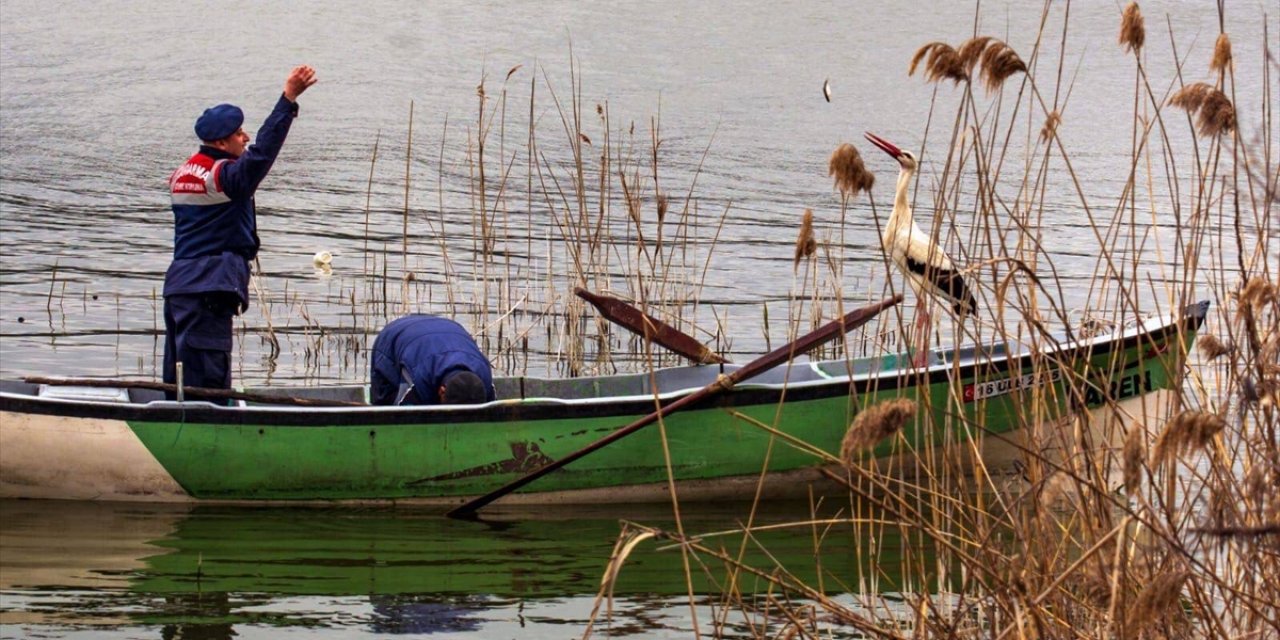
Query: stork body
x=928, y=270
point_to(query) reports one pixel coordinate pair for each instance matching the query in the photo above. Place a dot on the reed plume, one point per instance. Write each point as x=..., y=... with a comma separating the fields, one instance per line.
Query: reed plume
x=1255, y=296
x=1050, y=127
x=1221, y=53
x=873, y=425
x=1156, y=601
x=944, y=63
x=1134, y=455
x=1212, y=348
x=1133, y=32
x=999, y=61
x=806, y=245
x=850, y=173
x=1215, y=114
x=1190, y=429
x=1054, y=487
x=971, y=51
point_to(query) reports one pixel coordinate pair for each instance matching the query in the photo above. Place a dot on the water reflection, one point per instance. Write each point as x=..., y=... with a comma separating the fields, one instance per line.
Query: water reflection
x=215, y=572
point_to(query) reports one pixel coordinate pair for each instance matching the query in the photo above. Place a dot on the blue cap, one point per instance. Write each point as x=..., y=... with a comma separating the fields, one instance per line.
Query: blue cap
x=219, y=122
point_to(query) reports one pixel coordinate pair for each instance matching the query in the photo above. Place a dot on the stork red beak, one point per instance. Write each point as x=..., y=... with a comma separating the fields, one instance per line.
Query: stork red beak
x=884, y=145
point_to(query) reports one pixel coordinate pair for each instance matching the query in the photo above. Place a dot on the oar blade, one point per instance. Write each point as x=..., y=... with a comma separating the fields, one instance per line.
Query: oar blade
x=647, y=326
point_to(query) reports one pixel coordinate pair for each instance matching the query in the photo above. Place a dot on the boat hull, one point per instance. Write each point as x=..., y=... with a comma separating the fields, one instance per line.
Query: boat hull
x=994, y=411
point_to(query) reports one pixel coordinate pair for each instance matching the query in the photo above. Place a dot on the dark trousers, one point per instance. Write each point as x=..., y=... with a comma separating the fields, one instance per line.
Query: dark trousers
x=197, y=333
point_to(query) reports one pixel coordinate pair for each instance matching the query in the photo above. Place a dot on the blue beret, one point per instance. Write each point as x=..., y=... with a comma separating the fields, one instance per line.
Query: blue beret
x=219, y=122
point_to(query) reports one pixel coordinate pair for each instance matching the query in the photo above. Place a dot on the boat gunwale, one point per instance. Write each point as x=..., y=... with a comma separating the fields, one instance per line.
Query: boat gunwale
x=539, y=408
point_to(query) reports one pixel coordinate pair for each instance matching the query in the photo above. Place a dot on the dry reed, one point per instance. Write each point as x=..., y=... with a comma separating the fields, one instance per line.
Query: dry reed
x=806, y=245
x=850, y=173
x=1133, y=32
x=1213, y=110
x=873, y=425
x=999, y=62
x=1074, y=558
x=943, y=63
x=1134, y=456
x=1157, y=602
x=1188, y=430
x=1051, y=123
x=1221, y=54
x=1212, y=347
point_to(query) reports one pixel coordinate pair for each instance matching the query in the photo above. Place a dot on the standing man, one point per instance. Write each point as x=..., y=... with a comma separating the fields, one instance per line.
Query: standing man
x=216, y=234
x=424, y=359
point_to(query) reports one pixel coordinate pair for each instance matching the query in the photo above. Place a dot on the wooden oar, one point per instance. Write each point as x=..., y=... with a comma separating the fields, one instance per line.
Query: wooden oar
x=223, y=394
x=768, y=361
x=647, y=326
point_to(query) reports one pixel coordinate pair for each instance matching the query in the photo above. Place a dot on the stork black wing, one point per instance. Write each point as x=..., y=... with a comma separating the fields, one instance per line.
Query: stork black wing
x=949, y=281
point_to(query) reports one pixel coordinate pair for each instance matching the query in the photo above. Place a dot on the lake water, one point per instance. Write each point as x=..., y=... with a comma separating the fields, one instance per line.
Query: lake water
x=97, y=101
x=133, y=571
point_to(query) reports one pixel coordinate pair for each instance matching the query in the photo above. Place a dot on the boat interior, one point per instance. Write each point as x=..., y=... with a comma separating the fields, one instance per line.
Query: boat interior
x=533, y=389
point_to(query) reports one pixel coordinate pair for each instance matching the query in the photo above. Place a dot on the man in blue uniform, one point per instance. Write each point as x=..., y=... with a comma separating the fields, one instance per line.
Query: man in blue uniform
x=423, y=359
x=216, y=234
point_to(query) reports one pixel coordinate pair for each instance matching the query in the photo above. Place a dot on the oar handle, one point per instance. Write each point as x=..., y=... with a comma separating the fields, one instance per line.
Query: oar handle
x=823, y=334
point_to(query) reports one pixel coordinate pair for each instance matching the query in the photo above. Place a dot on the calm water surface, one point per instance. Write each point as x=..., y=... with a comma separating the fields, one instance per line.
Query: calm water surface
x=122, y=571
x=96, y=106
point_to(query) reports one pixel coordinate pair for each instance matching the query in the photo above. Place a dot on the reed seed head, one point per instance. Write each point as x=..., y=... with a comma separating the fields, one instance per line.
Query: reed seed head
x=1256, y=295
x=1054, y=488
x=1213, y=110
x=999, y=61
x=1133, y=32
x=1221, y=53
x=943, y=63
x=806, y=245
x=1190, y=429
x=874, y=424
x=971, y=50
x=1050, y=127
x=663, y=204
x=850, y=173
x=1155, y=602
x=1212, y=348
x=1134, y=455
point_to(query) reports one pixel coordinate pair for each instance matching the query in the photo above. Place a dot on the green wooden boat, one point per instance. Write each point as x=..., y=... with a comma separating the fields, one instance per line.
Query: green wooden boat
x=130, y=444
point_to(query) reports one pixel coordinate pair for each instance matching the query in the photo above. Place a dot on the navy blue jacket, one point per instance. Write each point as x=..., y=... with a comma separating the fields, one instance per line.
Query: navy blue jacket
x=428, y=348
x=215, y=232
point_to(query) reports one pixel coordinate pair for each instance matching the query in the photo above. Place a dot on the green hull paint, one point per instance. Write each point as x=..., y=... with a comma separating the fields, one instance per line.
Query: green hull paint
x=400, y=461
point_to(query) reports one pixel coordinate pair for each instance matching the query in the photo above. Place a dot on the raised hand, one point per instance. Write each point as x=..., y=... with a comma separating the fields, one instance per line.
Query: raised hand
x=299, y=79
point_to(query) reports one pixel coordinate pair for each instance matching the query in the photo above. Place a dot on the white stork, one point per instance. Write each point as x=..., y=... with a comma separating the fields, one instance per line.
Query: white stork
x=927, y=268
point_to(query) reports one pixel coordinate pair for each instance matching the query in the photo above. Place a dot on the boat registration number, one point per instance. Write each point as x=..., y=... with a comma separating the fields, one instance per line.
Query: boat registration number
x=992, y=388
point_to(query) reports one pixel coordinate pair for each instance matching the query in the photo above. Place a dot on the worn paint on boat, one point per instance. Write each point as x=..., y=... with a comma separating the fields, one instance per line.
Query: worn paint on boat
x=142, y=448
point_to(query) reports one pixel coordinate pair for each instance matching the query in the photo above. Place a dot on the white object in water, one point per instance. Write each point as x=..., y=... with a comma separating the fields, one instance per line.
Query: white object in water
x=322, y=259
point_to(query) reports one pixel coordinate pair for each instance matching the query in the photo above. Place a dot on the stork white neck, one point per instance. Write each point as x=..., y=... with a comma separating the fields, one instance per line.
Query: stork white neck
x=901, y=215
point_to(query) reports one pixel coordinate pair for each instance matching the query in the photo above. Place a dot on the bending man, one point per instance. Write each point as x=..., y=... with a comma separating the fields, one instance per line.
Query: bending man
x=216, y=234
x=422, y=359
